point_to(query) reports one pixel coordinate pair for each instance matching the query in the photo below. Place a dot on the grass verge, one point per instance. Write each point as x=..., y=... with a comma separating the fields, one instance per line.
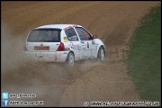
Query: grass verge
x=144, y=58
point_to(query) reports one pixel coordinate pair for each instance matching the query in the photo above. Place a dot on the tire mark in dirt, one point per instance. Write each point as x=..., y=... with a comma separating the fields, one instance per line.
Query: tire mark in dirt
x=102, y=14
x=117, y=54
x=92, y=86
x=43, y=15
x=87, y=16
x=36, y=8
x=81, y=12
x=65, y=13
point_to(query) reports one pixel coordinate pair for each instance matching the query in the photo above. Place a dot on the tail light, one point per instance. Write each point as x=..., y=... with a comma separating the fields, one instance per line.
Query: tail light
x=61, y=47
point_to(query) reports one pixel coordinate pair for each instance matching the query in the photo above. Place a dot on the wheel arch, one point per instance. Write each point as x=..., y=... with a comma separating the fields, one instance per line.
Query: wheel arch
x=69, y=53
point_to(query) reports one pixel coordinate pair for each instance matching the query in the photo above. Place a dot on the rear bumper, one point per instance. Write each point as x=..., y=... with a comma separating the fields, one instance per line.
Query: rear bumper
x=59, y=56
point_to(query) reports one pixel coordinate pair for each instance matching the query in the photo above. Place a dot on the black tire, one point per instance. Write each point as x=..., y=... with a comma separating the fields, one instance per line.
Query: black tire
x=70, y=59
x=101, y=54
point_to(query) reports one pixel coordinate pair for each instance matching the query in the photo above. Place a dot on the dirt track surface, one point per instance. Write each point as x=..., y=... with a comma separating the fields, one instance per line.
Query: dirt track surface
x=55, y=84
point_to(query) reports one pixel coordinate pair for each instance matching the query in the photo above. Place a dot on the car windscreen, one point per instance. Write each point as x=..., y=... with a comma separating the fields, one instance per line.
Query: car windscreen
x=44, y=35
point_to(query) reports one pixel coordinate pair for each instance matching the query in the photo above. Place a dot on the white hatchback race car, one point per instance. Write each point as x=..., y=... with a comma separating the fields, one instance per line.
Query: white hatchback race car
x=64, y=43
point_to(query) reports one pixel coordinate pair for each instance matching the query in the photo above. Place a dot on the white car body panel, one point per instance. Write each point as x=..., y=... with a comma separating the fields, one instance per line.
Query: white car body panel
x=82, y=49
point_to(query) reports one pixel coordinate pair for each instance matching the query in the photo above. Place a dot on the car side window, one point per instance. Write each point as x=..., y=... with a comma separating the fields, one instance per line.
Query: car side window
x=83, y=34
x=71, y=34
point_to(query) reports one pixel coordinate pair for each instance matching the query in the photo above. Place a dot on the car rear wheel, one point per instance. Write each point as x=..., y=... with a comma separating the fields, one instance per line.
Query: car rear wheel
x=70, y=59
x=101, y=54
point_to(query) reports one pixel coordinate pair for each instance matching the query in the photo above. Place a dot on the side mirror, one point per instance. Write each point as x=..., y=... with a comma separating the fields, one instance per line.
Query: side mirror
x=95, y=36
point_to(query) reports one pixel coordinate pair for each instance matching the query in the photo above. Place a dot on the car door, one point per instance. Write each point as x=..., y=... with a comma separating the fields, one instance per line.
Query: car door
x=74, y=42
x=86, y=42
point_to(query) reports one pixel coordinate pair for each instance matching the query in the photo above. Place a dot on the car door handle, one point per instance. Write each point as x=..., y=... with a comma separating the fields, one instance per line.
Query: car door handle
x=83, y=45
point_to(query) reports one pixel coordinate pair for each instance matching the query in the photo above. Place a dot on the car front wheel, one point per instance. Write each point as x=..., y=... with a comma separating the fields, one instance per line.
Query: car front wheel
x=70, y=59
x=101, y=54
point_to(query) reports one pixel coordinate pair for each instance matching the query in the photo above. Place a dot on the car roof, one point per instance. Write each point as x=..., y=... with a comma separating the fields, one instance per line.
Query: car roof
x=58, y=26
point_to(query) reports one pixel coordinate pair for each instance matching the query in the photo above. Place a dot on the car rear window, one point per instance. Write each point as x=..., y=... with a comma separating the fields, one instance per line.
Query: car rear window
x=44, y=35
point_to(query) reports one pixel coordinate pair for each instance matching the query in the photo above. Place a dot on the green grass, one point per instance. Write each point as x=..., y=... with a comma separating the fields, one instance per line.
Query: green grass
x=144, y=58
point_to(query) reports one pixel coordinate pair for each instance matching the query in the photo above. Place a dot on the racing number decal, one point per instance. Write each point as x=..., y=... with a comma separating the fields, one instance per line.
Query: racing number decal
x=75, y=47
x=65, y=39
x=41, y=45
x=71, y=44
